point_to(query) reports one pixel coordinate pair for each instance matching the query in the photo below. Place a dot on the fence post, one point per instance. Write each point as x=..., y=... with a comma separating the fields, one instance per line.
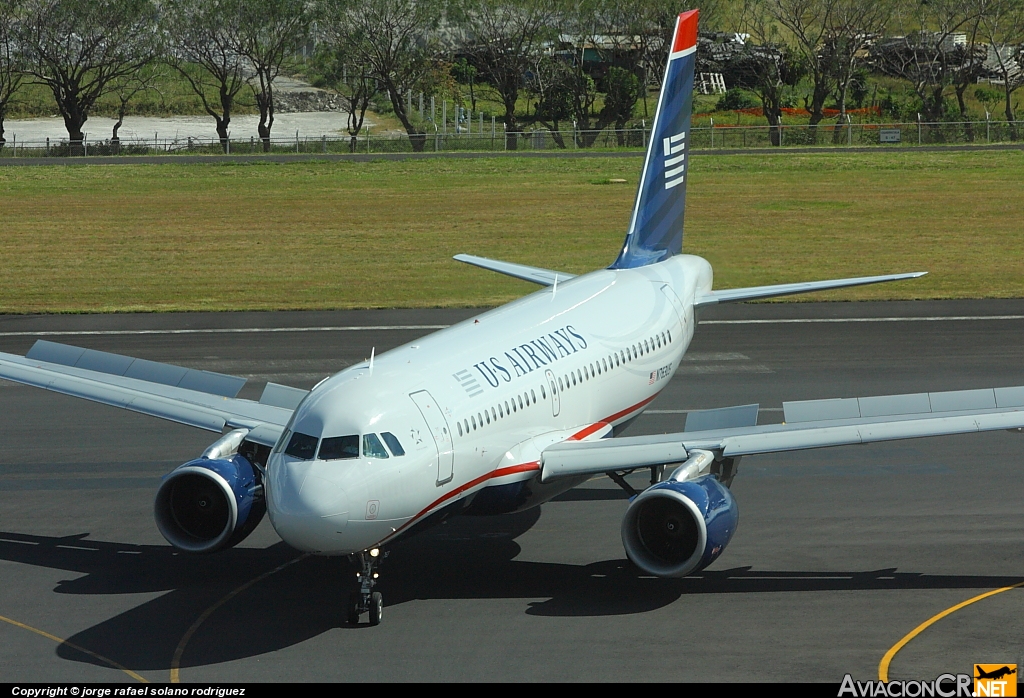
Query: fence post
x=228, y=144
x=919, y=128
x=296, y=141
x=712, y=132
x=988, y=127
x=252, y=144
x=85, y=144
x=849, y=130
x=14, y=140
x=367, y=140
x=324, y=139
x=444, y=116
x=47, y=146
x=643, y=133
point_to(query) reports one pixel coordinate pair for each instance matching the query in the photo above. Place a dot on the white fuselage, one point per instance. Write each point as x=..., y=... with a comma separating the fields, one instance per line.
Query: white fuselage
x=474, y=405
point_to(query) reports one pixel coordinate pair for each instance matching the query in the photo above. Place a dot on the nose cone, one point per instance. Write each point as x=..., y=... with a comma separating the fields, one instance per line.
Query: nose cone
x=308, y=510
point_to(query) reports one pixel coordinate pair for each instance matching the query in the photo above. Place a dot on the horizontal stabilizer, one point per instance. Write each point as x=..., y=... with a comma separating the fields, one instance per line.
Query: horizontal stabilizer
x=754, y=292
x=140, y=369
x=544, y=277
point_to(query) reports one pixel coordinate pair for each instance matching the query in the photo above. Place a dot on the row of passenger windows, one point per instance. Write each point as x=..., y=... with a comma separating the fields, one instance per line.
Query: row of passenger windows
x=304, y=446
x=500, y=411
x=596, y=368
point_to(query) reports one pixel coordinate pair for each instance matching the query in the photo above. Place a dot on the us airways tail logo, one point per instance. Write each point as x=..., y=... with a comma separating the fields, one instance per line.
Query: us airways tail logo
x=675, y=159
x=995, y=680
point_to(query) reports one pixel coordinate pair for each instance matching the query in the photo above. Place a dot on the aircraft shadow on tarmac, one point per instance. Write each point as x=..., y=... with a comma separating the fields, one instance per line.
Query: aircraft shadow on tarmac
x=467, y=558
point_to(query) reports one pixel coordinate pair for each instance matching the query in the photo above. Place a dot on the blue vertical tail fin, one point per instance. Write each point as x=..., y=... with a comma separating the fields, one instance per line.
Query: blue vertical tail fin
x=656, y=226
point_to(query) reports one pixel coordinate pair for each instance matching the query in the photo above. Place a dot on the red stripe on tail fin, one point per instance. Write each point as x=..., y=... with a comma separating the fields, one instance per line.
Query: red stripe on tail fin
x=686, y=32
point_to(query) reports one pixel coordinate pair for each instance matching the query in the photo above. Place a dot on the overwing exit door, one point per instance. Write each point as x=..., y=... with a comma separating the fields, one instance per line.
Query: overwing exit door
x=439, y=430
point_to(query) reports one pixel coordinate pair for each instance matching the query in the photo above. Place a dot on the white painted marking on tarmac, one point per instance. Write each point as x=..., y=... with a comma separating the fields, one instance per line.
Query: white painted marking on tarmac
x=386, y=328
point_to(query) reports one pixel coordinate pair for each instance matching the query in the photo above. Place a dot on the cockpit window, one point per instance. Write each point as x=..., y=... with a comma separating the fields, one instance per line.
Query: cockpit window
x=372, y=447
x=392, y=441
x=301, y=446
x=338, y=447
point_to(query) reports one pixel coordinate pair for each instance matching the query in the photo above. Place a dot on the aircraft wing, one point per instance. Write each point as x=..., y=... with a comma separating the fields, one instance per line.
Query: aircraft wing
x=754, y=292
x=808, y=424
x=197, y=398
x=544, y=277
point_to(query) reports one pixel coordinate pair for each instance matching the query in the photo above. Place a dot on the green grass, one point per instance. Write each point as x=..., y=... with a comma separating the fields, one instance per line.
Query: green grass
x=355, y=235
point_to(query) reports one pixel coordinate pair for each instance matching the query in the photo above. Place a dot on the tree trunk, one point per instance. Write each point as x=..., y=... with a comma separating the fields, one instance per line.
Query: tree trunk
x=511, y=127
x=1009, y=109
x=222, y=131
x=3, y=141
x=265, y=102
x=417, y=138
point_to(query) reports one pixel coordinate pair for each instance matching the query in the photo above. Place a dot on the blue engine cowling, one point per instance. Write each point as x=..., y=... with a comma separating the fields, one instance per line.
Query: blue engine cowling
x=676, y=528
x=208, y=504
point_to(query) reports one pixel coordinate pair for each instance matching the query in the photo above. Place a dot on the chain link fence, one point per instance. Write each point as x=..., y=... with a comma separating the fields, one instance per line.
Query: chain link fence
x=710, y=137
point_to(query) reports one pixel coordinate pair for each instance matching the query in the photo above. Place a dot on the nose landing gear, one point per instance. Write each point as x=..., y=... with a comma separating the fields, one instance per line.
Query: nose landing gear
x=365, y=600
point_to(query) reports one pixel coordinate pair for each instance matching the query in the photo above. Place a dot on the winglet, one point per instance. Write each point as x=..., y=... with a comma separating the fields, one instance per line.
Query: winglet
x=656, y=226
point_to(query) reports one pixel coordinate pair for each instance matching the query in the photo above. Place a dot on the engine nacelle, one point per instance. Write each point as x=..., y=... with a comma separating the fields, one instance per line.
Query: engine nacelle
x=210, y=504
x=675, y=528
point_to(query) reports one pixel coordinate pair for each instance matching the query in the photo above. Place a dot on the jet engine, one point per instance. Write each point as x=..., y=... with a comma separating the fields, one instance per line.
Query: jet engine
x=674, y=528
x=210, y=504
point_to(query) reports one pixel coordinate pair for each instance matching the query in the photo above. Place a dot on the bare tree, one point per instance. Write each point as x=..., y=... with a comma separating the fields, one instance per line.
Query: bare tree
x=125, y=89
x=271, y=30
x=395, y=41
x=929, y=54
x=80, y=48
x=853, y=26
x=809, y=22
x=10, y=60
x=767, y=64
x=340, y=71
x=505, y=38
x=1003, y=27
x=205, y=48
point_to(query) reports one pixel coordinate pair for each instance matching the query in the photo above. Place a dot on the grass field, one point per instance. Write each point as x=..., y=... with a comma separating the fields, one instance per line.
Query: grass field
x=350, y=235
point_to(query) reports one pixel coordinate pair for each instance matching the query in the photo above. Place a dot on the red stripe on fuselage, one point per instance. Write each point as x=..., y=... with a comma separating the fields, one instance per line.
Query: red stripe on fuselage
x=500, y=472
x=522, y=467
x=686, y=32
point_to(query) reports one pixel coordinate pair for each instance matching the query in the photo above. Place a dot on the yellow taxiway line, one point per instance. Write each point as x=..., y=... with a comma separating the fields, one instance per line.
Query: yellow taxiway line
x=61, y=641
x=180, y=649
x=883, y=666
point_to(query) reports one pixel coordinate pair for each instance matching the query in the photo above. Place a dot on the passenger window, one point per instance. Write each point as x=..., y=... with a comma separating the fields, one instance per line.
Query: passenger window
x=460, y=427
x=396, y=447
x=466, y=422
x=372, y=447
x=473, y=421
x=506, y=407
x=520, y=401
x=560, y=383
x=487, y=416
x=494, y=414
x=573, y=378
x=301, y=446
x=339, y=447
x=543, y=393
x=669, y=333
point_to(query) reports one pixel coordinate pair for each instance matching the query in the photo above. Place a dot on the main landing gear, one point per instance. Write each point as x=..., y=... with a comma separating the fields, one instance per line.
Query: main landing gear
x=365, y=600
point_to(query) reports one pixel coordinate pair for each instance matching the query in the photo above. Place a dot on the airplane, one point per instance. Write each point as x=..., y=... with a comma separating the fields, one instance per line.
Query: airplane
x=504, y=411
x=994, y=674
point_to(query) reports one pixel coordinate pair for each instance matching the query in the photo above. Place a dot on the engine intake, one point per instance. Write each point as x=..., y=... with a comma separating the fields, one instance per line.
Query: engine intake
x=210, y=504
x=676, y=528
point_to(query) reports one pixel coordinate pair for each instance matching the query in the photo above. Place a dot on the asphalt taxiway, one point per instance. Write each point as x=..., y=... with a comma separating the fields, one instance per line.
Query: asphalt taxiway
x=839, y=554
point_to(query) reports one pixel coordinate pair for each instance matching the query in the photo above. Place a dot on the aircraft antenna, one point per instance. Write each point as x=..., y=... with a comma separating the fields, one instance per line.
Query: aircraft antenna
x=372, y=351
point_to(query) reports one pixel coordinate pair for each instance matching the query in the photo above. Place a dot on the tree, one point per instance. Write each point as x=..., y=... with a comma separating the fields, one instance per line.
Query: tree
x=352, y=81
x=549, y=89
x=767, y=65
x=10, y=60
x=125, y=89
x=270, y=31
x=852, y=26
x=81, y=48
x=809, y=22
x=928, y=54
x=624, y=89
x=505, y=38
x=395, y=41
x=1003, y=27
x=205, y=42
